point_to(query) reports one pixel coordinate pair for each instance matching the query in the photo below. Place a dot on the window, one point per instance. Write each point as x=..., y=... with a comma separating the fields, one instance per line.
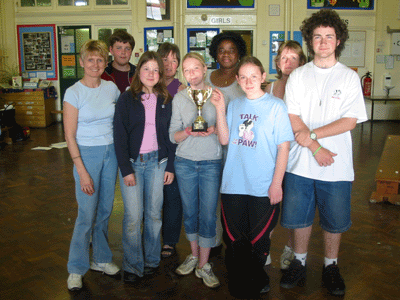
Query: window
x=103, y=34
x=73, y=2
x=37, y=3
x=111, y=2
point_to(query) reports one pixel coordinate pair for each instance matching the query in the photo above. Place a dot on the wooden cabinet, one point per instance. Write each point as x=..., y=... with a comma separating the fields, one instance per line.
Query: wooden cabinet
x=32, y=107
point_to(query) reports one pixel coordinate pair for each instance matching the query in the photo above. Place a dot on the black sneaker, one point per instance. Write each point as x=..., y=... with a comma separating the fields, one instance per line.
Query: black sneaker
x=266, y=288
x=295, y=275
x=150, y=270
x=130, y=277
x=332, y=280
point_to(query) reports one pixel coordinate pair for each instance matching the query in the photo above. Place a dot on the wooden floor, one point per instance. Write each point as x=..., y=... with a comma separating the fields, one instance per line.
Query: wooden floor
x=38, y=210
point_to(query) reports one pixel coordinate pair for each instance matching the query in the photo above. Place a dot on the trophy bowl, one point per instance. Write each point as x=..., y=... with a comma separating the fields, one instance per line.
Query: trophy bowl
x=199, y=98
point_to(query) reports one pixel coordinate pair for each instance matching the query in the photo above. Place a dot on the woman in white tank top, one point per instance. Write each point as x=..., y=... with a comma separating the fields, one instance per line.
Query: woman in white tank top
x=290, y=56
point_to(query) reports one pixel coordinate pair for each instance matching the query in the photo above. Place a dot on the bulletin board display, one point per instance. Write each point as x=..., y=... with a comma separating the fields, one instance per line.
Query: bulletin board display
x=155, y=36
x=341, y=4
x=276, y=38
x=353, y=54
x=199, y=40
x=37, y=51
x=220, y=3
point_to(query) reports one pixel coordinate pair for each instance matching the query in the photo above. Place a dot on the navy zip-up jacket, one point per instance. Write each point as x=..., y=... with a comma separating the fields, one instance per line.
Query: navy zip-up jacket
x=129, y=122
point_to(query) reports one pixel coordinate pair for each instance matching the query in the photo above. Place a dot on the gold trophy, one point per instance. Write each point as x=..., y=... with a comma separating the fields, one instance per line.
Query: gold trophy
x=199, y=98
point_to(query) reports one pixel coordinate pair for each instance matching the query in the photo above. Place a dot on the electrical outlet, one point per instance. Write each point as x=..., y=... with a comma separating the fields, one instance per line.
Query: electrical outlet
x=274, y=10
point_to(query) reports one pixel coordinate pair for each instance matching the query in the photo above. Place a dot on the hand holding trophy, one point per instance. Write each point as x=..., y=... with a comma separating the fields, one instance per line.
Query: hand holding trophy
x=199, y=97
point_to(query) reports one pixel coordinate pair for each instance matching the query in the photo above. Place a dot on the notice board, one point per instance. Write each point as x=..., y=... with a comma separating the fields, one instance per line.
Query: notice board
x=353, y=54
x=341, y=4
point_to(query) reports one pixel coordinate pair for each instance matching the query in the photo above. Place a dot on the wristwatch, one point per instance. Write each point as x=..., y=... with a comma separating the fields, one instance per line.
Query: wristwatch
x=313, y=135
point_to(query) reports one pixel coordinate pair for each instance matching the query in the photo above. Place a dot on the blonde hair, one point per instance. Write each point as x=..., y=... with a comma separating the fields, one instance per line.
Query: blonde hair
x=94, y=47
x=194, y=55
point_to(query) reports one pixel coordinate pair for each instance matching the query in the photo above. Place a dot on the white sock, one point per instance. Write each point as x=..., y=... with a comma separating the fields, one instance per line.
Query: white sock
x=330, y=261
x=302, y=257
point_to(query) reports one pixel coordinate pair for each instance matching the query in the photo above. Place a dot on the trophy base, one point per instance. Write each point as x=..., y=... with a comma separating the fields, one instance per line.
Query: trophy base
x=200, y=127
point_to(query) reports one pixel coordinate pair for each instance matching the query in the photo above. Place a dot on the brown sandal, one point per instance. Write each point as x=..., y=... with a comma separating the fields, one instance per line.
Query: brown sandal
x=167, y=251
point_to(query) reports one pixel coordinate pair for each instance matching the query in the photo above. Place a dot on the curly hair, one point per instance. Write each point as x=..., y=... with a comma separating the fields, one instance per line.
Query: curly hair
x=325, y=18
x=160, y=88
x=295, y=47
x=230, y=36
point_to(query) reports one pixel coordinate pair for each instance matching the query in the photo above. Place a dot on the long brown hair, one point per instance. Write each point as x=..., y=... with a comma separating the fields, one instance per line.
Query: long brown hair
x=160, y=88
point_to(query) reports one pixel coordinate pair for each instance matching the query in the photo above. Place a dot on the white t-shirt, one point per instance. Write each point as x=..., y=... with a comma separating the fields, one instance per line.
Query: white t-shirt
x=320, y=97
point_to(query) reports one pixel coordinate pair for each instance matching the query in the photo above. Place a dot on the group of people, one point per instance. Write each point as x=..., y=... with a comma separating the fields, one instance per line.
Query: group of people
x=288, y=141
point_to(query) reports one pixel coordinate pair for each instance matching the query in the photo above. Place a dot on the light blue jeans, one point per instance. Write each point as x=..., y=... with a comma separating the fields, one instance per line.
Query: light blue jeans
x=143, y=203
x=199, y=183
x=93, y=211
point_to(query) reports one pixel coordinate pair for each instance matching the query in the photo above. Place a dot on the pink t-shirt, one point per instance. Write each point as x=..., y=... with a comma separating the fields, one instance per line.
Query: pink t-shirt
x=149, y=142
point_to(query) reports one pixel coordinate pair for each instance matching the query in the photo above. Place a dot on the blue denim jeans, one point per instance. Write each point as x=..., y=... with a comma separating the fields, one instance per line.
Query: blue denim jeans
x=302, y=195
x=93, y=211
x=143, y=203
x=199, y=183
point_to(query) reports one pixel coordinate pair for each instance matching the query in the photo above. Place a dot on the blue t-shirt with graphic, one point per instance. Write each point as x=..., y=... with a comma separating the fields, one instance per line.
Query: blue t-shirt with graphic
x=256, y=128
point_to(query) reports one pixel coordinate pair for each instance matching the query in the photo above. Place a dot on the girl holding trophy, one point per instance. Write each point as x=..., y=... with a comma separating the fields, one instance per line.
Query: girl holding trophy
x=198, y=166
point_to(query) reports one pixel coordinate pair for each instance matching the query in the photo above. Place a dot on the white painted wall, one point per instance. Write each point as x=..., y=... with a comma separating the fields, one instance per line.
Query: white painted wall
x=292, y=13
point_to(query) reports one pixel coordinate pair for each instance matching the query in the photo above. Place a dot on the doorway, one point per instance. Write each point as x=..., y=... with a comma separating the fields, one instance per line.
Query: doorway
x=70, y=40
x=247, y=36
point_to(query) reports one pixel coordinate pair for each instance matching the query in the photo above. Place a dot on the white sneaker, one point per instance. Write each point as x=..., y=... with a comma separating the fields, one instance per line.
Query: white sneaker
x=107, y=268
x=74, y=282
x=286, y=257
x=206, y=273
x=269, y=260
x=188, y=265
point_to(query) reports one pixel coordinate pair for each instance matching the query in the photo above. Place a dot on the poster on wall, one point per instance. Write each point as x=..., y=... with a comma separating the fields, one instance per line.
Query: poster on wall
x=341, y=4
x=37, y=51
x=158, y=10
x=220, y=3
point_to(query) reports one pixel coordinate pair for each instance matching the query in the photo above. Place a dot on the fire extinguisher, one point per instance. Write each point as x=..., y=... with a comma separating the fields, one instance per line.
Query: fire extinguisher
x=366, y=84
